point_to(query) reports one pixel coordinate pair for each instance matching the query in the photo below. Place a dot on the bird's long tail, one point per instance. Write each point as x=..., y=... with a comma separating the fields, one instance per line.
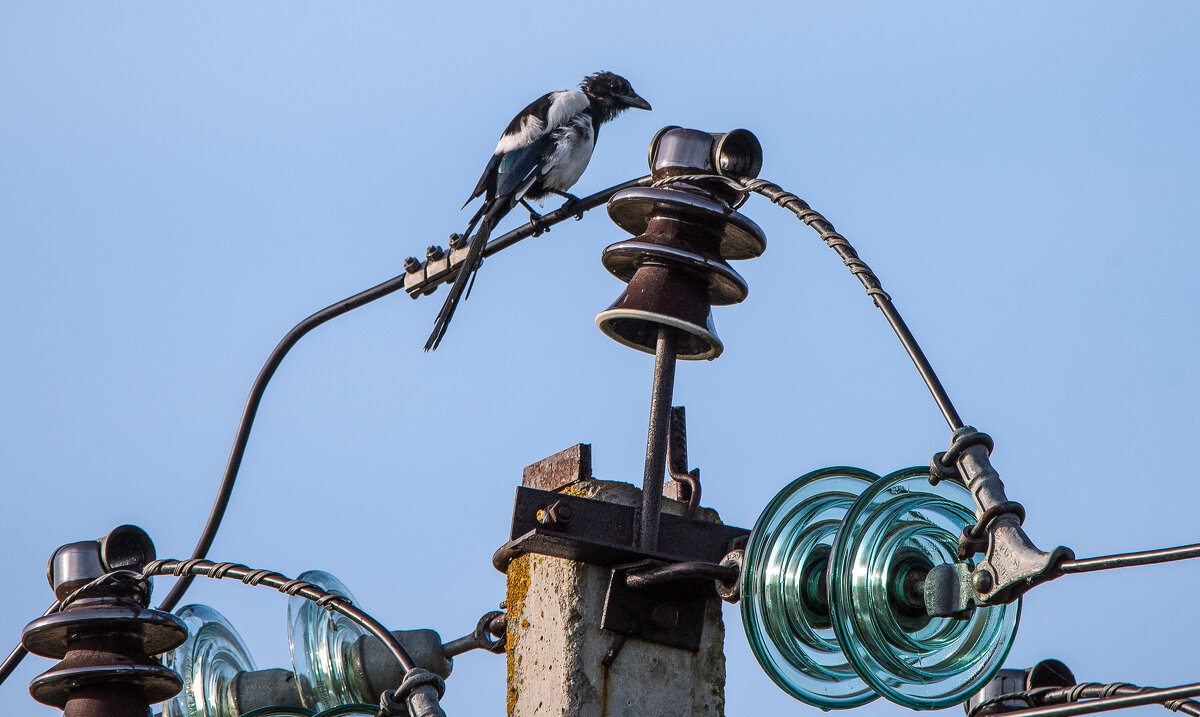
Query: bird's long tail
x=466, y=271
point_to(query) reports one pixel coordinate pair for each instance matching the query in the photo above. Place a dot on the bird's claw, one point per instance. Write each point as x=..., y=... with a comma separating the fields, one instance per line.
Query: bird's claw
x=571, y=207
x=537, y=220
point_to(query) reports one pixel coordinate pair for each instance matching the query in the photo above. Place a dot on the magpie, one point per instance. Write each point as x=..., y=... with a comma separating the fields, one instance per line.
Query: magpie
x=543, y=151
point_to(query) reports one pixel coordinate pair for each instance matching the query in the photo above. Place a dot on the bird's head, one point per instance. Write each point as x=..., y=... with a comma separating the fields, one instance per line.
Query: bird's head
x=611, y=93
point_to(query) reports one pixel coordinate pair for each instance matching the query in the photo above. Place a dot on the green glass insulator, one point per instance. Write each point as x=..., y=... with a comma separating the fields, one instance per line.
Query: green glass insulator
x=357, y=710
x=280, y=711
x=208, y=661
x=785, y=606
x=894, y=533
x=323, y=648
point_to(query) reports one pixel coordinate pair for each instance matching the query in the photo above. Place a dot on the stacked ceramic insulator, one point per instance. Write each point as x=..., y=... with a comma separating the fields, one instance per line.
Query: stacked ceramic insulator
x=687, y=230
x=107, y=635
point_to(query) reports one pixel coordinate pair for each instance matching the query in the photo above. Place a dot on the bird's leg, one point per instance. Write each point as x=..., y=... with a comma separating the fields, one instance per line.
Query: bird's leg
x=571, y=200
x=534, y=218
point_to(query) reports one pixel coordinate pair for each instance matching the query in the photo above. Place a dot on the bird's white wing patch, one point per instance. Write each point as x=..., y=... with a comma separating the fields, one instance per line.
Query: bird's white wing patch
x=531, y=129
x=564, y=105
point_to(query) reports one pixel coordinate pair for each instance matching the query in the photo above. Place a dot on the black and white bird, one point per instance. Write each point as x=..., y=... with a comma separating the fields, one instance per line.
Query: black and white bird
x=543, y=151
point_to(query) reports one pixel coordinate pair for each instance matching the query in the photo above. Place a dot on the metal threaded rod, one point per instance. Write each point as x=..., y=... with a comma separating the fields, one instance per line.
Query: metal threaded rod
x=1126, y=560
x=657, y=434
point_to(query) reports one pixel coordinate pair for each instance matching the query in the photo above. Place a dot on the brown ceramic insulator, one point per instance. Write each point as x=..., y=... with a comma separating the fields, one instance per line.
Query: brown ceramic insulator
x=107, y=668
x=676, y=268
x=662, y=294
x=686, y=233
x=688, y=244
x=736, y=236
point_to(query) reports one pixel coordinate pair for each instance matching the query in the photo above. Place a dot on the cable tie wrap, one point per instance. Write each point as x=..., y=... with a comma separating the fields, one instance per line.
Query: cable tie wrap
x=944, y=465
x=394, y=703
x=219, y=570
x=291, y=587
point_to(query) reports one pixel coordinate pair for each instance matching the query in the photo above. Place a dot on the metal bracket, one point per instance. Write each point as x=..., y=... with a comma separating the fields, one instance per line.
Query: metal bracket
x=669, y=613
x=602, y=533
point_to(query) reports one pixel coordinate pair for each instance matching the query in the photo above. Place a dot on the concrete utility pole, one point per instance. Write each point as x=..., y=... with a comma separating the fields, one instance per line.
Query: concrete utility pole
x=561, y=663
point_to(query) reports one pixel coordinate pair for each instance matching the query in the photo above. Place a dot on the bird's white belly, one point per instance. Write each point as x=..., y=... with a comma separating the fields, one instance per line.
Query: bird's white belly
x=572, y=152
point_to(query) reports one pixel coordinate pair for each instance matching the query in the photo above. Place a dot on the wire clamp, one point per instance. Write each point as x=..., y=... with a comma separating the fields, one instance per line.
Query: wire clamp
x=417, y=696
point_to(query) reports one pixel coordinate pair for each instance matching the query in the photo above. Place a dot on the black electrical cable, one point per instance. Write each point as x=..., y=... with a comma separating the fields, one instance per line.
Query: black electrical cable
x=14, y=658
x=857, y=267
x=869, y=280
x=209, y=534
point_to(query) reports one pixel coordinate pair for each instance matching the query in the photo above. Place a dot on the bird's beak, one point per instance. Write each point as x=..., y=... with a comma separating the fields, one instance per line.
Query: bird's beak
x=633, y=100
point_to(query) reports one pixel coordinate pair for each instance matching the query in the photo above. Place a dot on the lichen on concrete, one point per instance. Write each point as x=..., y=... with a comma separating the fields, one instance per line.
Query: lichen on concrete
x=555, y=644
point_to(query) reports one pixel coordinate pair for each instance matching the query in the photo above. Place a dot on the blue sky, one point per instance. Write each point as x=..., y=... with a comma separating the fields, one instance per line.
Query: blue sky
x=181, y=183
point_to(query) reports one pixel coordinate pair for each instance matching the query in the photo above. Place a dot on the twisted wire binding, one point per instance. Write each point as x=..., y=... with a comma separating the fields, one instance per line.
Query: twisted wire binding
x=804, y=213
x=217, y=571
x=288, y=586
x=1044, y=696
x=825, y=230
x=698, y=178
x=851, y=259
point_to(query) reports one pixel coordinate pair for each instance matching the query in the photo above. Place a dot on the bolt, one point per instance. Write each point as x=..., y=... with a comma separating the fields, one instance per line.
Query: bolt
x=982, y=580
x=561, y=512
x=498, y=626
x=664, y=616
x=457, y=241
x=434, y=253
x=556, y=515
x=412, y=265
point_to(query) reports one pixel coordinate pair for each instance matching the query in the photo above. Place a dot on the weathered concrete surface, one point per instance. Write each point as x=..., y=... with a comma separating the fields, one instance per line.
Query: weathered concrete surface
x=556, y=646
x=563, y=468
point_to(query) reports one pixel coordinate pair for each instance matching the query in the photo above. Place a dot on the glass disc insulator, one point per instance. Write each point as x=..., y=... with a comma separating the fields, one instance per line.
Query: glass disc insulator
x=357, y=710
x=785, y=608
x=212, y=656
x=280, y=711
x=323, y=645
x=894, y=533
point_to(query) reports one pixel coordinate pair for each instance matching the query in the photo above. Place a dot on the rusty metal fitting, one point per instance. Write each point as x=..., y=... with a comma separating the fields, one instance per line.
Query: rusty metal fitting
x=731, y=591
